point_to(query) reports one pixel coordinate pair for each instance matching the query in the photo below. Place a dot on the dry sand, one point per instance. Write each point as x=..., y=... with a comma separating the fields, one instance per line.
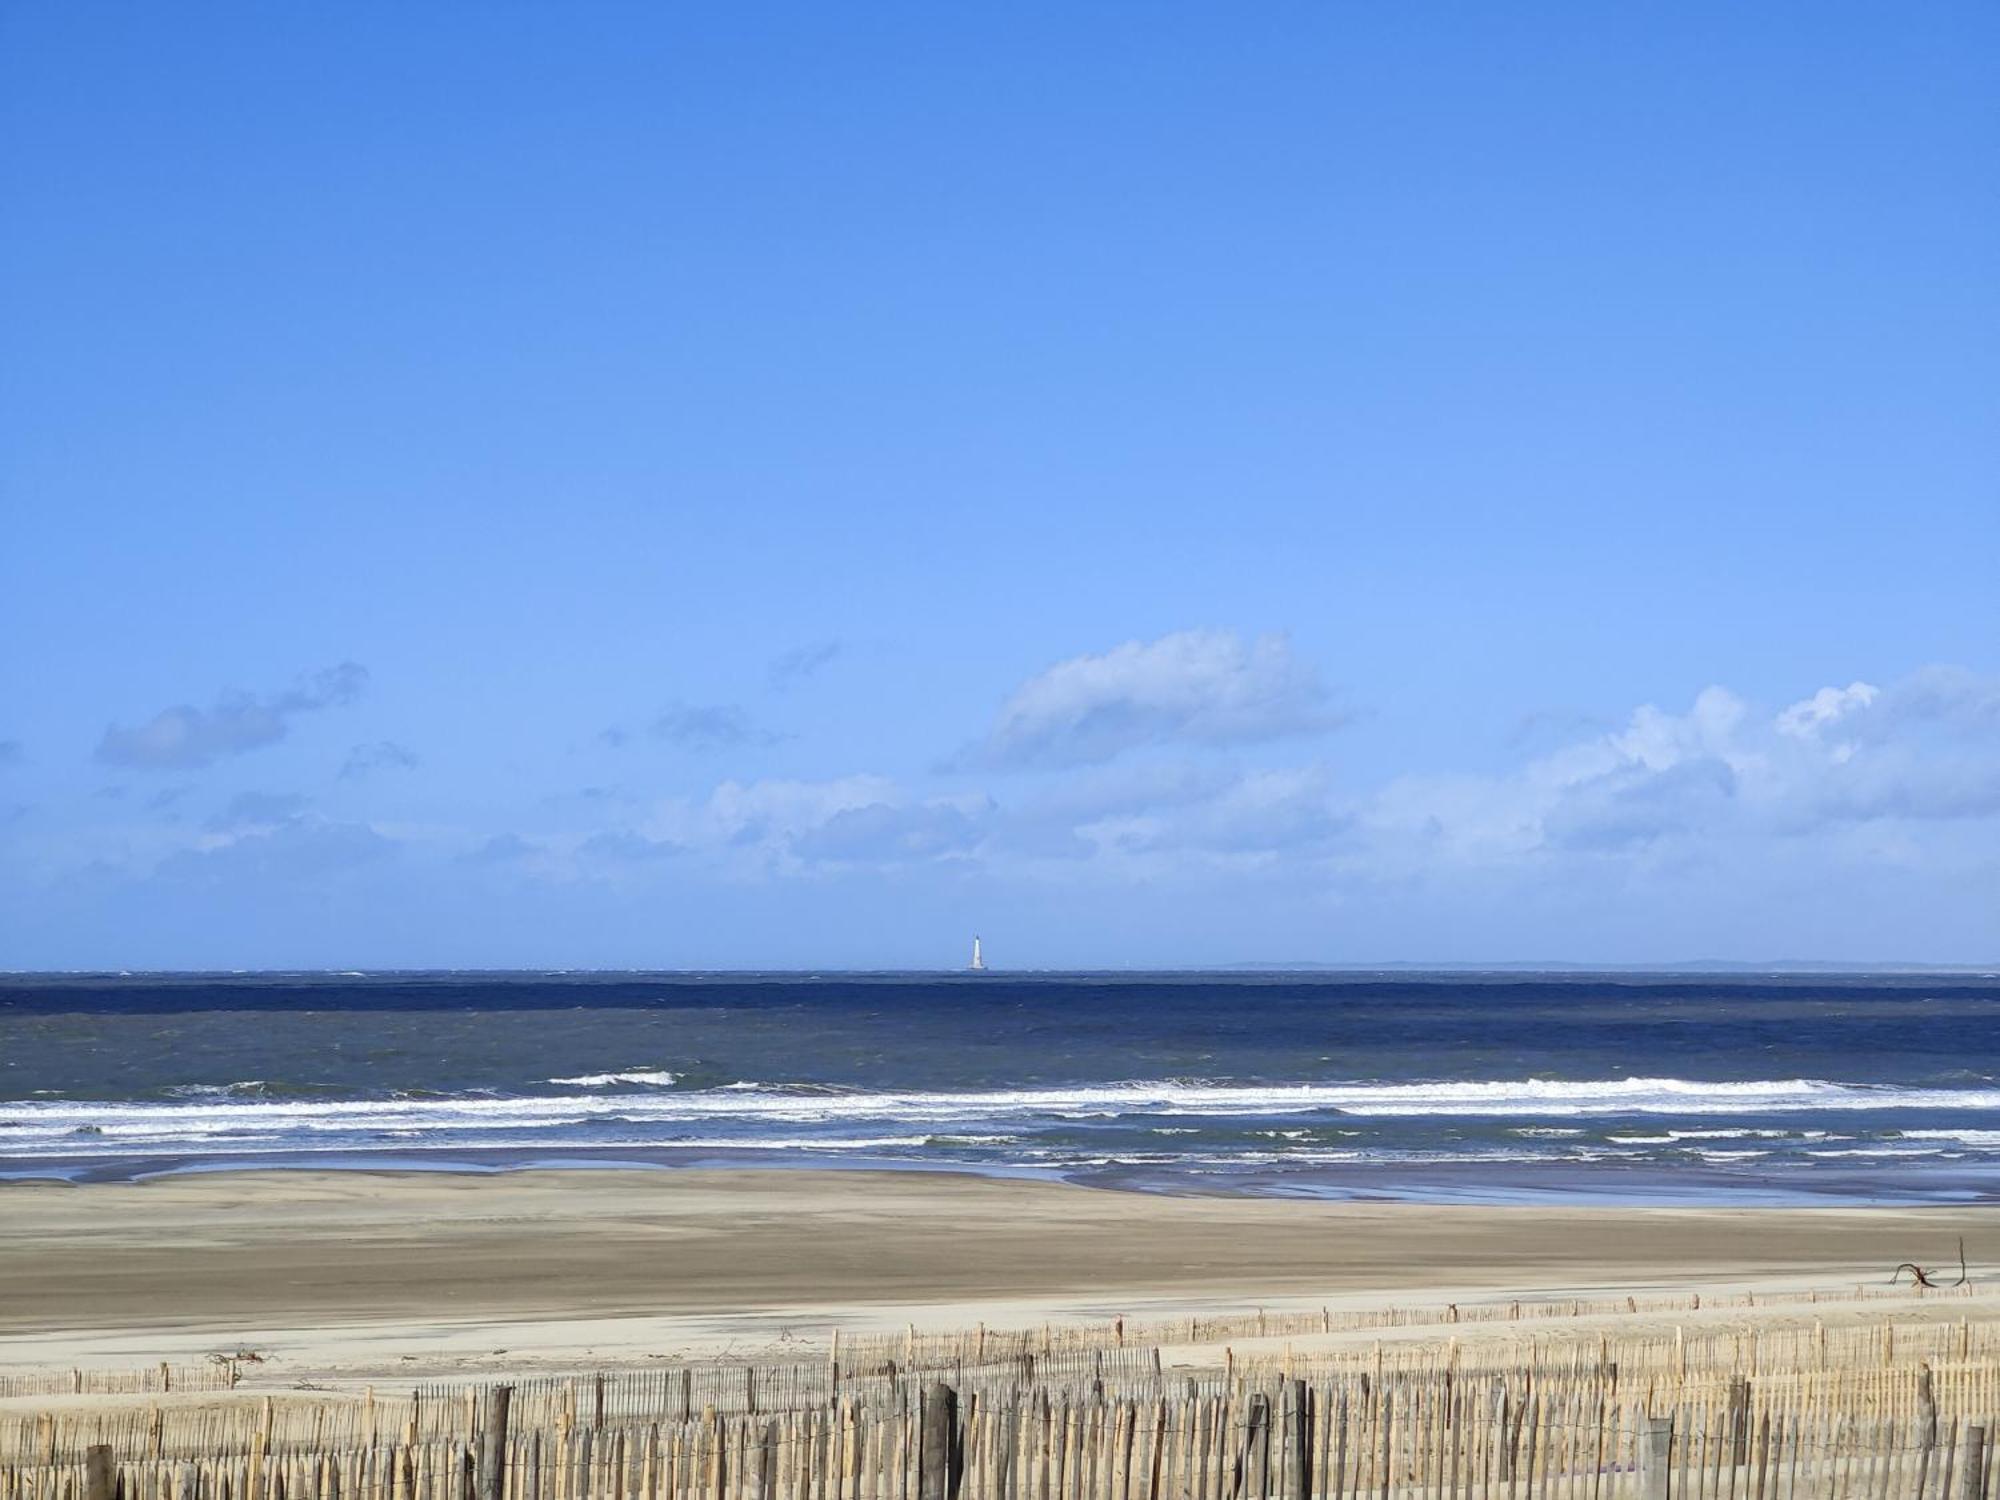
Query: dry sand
x=343, y=1271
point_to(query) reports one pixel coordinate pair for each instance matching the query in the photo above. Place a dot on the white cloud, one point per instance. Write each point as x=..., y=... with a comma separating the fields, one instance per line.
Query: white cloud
x=1204, y=687
x=1805, y=719
x=1921, y=749
x=1905, y=771
x=1719, y=779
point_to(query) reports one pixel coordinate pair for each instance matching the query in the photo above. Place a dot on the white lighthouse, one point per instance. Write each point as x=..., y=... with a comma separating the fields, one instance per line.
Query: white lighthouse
x=978, y=964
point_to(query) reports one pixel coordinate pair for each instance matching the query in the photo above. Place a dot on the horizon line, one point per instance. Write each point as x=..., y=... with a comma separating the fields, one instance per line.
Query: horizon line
x=1246, y=966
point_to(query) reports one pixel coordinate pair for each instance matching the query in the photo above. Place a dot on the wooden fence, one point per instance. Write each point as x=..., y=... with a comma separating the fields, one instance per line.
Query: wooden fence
x=1866, y=1367
x=1438, y=1437
x=1786, y=1409
x=929, y=1350
x=219, y=1374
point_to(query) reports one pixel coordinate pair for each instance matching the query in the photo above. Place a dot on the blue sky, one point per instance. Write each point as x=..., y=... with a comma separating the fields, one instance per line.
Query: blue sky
x=796, y=485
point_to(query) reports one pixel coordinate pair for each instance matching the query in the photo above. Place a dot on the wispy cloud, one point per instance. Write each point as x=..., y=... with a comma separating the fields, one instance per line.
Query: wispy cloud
x=790, y=668
x=698, y=727
x=258, y=810
x=383, y=755
x=716, y=726
x=623, y=846
x=884, y=832
x=500, y=849
x=288, y=853
x=1288, y=812
x=753, y=827
x=1200, y=687
x=184, y=737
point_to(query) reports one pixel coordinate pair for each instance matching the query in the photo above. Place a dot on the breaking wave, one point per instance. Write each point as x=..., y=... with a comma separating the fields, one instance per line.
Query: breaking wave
x=654, y=1078
x=642, y=1107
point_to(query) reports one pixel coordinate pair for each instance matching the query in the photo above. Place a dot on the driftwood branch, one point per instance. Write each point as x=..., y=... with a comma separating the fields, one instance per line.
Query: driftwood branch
x=1920, y=1277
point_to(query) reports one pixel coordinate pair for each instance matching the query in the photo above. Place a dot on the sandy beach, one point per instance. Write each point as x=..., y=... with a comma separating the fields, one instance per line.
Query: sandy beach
x=344, y=1271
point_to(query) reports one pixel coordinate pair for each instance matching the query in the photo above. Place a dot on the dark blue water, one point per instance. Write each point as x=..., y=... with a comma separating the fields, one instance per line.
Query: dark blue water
x=1676, y=1088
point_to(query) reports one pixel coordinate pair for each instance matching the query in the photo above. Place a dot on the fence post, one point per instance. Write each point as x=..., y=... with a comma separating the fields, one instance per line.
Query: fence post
x=936, y=1474
x=1973, y=1470
x=1739, y=1423
x=1655, y=1456
x=1926, y=1428
x=100, y=1475
x=1298, y=1445
x=1257, y=1447
x=763, y=1479
x=493, y=1444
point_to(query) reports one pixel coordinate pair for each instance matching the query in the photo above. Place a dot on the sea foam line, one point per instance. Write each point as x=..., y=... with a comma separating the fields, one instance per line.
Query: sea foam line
x=23, y=1123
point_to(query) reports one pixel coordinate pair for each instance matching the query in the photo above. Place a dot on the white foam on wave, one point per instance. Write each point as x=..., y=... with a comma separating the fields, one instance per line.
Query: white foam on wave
x=397, y=1139
x=40, y=1126
x=1675, y=1137
x=243, y=1086
x=654, y=1077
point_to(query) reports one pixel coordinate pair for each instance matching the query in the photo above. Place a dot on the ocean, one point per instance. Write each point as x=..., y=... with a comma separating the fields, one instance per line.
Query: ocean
x=1498, y=1087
